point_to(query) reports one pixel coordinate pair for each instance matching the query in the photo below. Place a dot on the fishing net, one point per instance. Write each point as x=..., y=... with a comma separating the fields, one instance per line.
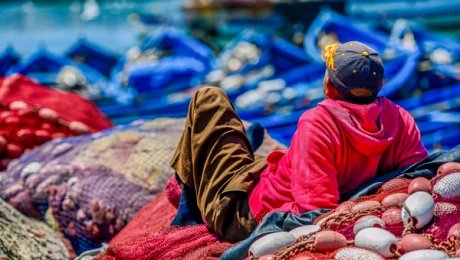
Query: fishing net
x=31, y=114
x=92, y=185
x=149, y=236
x=69, y=107
x=343, y=220
x=25, y=238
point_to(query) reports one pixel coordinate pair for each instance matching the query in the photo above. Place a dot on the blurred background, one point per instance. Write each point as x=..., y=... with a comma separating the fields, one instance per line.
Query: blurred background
x=144, y=59
x=97, y=71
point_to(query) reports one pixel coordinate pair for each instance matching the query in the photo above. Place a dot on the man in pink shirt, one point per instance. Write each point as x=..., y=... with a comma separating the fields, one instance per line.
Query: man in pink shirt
x=348, y=139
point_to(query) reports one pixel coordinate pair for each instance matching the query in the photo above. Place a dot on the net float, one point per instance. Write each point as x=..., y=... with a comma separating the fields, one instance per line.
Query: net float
x=419, y=184
x=14, y=150
x=393, y=184
x=454, y=231
x=448, y=187
x=412, y=242
x=5, y=114
x=81, y=215
x=393, y=200
x=327, y=241
x=304, y=230
x=353, y=253
x=78, y=127
x=268, y=257
x=28, y=112
x=25, y=135
x=345, y=206
x=418, y=208
x=443, y=209
x=428, y=254
x=18, y=105
x=270, y=243
x=449, y=168
x=42, y=135
x=365, y=205
x=11, y=120
x=366, y=222
x=48, y=113
x=392, y=216
x=378, y=240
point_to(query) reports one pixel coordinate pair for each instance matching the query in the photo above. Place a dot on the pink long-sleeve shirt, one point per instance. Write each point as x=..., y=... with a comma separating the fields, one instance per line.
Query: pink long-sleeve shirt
x=337, y=147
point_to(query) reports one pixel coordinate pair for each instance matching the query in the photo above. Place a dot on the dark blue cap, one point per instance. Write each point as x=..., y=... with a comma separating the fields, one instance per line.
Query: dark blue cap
x=357, y=72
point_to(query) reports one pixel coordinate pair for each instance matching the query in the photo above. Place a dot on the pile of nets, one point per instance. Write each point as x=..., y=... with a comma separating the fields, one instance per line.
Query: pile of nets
x=31, y=114
x=25, y=238
x=402, y=217
x=149, y=234
x=90, y=186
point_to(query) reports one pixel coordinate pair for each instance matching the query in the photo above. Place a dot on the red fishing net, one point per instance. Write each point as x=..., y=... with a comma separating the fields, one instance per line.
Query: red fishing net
x=31, y=114
x=96, y=183
x=149, y=236
x=69, y=107
x=343, y=220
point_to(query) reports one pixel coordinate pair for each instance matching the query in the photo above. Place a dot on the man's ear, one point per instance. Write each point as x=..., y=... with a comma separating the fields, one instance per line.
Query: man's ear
x=330, y=91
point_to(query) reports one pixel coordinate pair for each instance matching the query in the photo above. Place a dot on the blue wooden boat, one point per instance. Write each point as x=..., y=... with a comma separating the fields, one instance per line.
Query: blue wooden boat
x=441, y=54
x=443, y=139
x=441, y=99
x=299, y=88
x=8, y=59
x=63, y=73
x=92, y=55
x=400, y=64
x=168, y=61
x=275, y=56
x=252, y=57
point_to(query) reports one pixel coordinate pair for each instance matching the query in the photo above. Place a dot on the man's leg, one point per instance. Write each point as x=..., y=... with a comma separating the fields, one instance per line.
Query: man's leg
x=215, y=159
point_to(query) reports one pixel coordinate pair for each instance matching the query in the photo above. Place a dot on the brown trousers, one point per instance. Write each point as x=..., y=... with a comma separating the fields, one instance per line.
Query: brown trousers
x=215, y=159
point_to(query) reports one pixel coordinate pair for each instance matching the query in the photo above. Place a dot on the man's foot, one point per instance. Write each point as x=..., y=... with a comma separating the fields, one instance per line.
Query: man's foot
x=255, y=133
x=187, y=212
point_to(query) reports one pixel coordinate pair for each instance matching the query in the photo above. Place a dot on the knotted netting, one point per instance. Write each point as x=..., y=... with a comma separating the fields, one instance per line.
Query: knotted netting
x=441, y=232
x=90, y=186
x=149, y=234
x=25, y=238
x=31, y=114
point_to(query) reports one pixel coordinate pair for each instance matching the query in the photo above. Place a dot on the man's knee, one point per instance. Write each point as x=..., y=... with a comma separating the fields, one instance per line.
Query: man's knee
x=209, y=93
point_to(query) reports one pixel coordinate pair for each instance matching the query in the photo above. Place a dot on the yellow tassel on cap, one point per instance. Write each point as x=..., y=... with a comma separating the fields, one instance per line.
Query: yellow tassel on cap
x=365, y=53
x=329, y=52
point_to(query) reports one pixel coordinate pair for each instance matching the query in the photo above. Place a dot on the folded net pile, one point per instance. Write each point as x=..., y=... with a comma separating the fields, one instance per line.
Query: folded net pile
x=25, y=238
x=90, y=186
